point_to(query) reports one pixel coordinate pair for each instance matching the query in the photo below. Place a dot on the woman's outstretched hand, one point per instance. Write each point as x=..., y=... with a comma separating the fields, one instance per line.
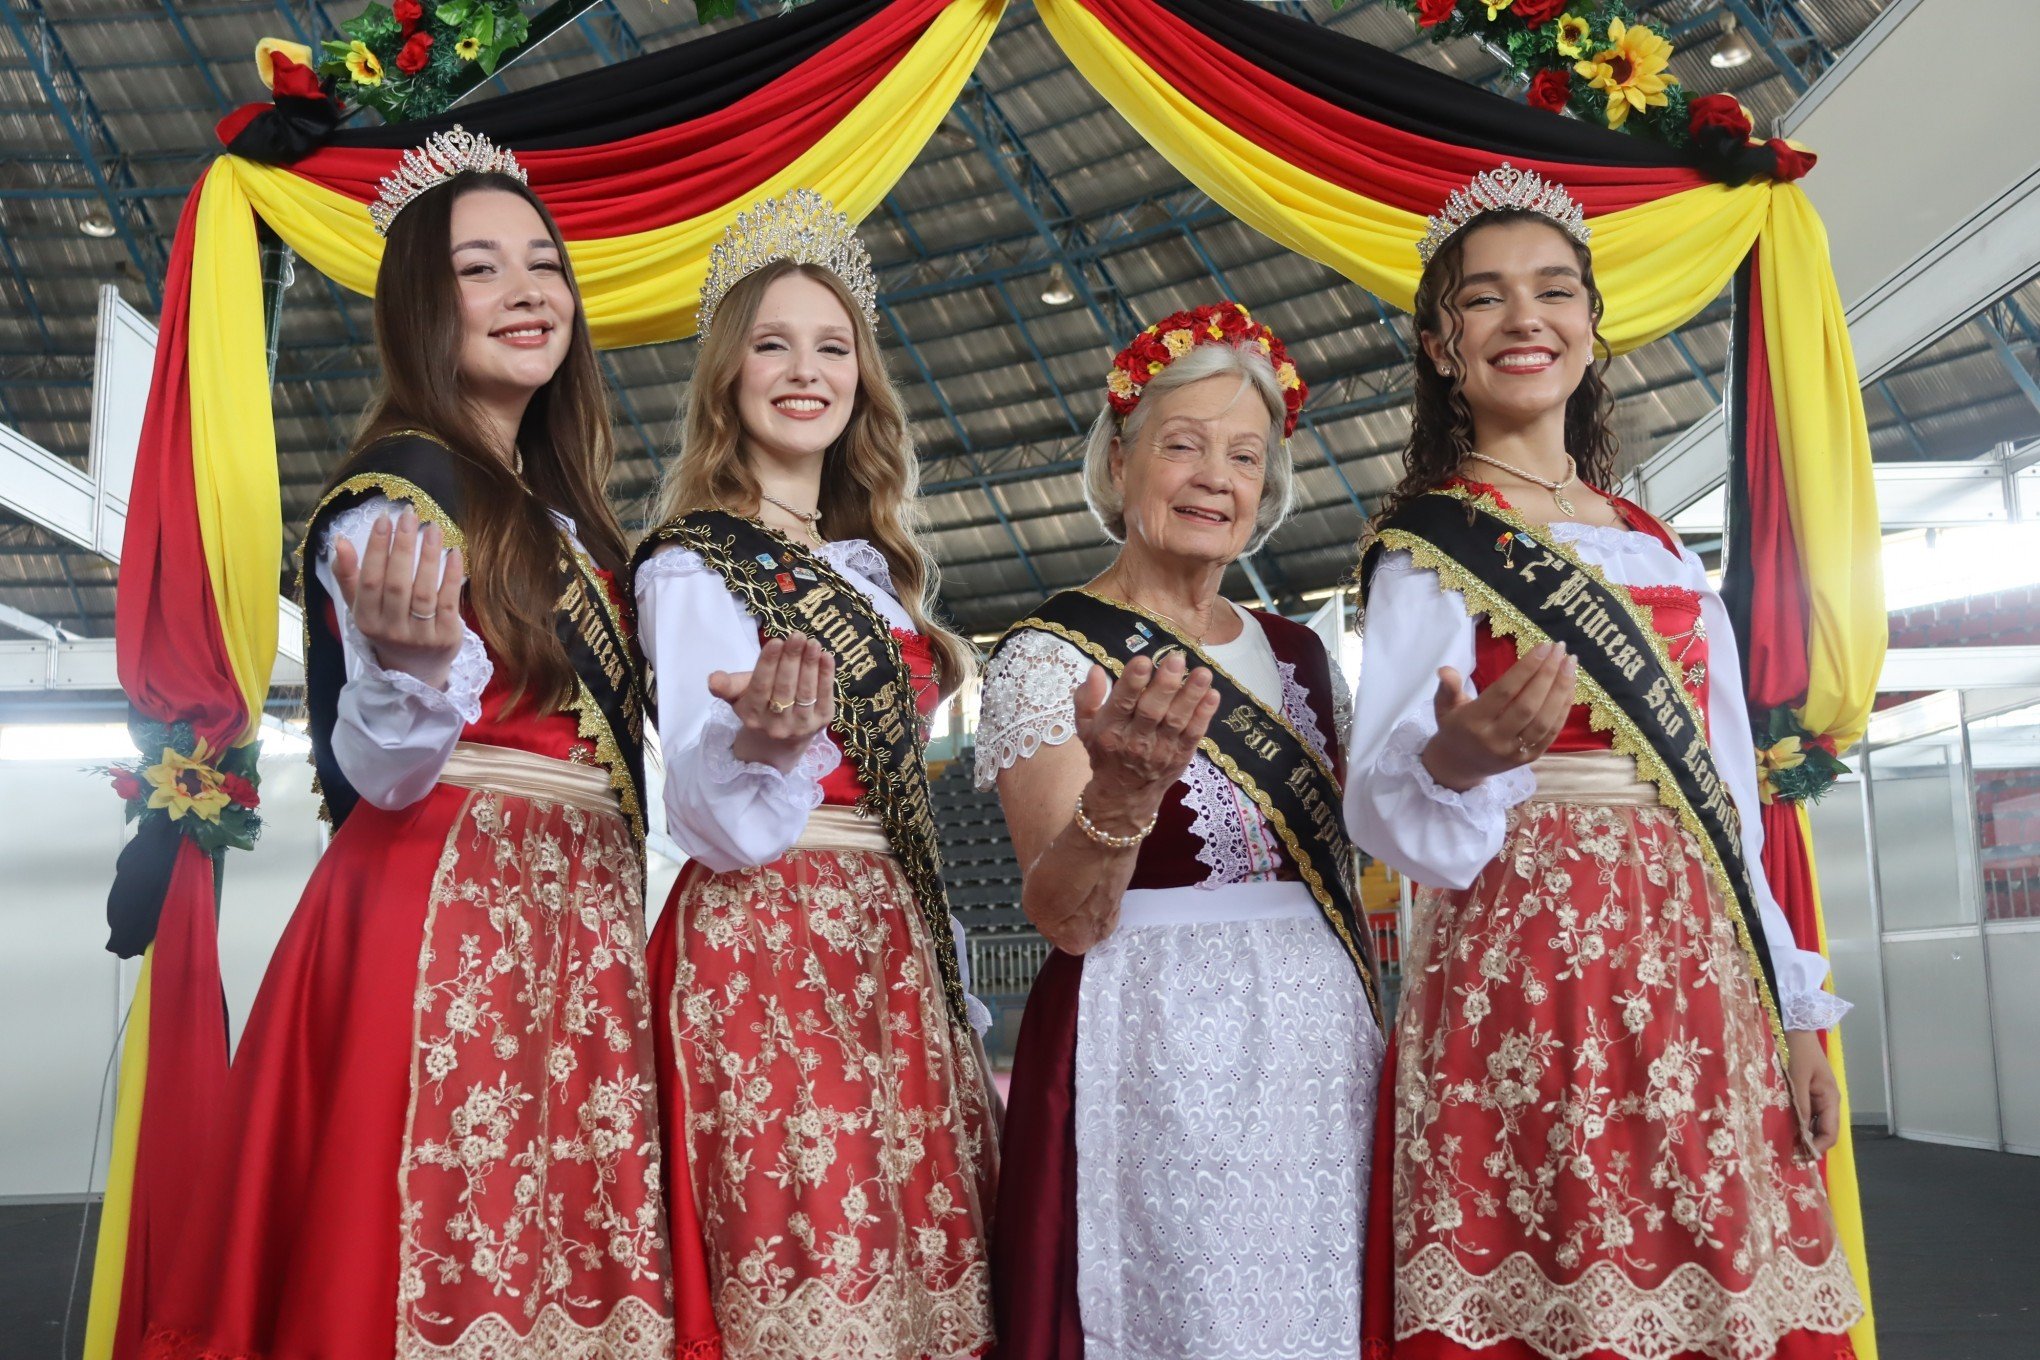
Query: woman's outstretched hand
x=782, y=701
x=1140, y=733
x=1511, y=723
x=404, y=602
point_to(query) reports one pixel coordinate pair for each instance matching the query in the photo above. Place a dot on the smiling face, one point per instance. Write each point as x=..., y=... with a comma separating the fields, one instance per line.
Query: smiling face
x=517, y=309
x=798, y=383
x=1193, y=475
x=1525, y=324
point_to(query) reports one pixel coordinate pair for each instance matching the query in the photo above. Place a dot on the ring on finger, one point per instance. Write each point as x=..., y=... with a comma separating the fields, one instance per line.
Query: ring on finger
x=806, y=703
x=779, y=705
x=424, y=618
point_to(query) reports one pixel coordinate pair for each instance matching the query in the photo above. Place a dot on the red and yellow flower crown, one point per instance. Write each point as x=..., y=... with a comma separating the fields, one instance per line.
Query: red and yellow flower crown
x=1169, y=339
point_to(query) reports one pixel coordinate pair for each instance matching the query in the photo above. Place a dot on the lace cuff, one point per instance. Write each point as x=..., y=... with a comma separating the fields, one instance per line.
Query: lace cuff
x=800, y=789
x=465, y=679
x=1486, y=805
x=1813, y=1010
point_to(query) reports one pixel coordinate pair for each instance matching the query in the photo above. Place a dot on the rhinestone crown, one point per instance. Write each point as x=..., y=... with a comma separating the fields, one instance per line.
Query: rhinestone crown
x=801, y=226
x=445, y=154
x=1504, y=187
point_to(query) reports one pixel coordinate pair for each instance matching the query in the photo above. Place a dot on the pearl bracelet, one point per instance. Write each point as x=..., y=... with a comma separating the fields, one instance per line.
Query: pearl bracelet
x=1106, y=838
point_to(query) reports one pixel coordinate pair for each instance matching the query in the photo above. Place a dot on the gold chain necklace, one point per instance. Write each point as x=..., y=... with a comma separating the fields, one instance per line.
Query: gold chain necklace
x=1557, y=489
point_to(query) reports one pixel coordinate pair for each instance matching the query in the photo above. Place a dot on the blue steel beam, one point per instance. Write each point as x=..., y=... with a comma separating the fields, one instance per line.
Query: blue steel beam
x=2014, y=366
x=963, y=438
x=73, y=106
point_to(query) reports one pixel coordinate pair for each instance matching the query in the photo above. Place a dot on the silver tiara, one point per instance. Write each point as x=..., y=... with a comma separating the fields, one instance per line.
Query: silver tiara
x=801, y=226
x=445, y=154
x=1504, y=187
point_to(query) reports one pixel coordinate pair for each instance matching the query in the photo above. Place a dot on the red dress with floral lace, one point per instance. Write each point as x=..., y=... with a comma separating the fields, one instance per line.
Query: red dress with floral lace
x=831, y=1110
x=1587, y=1148
x=444, y=1137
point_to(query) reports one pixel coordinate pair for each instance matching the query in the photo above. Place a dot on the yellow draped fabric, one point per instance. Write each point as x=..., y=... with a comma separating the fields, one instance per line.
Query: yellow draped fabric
x=109, y=1258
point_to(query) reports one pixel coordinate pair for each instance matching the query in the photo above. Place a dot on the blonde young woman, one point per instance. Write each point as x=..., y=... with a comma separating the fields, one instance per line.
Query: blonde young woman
x=812, y=1020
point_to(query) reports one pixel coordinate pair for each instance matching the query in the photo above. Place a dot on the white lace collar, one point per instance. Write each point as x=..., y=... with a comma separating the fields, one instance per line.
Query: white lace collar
x=858, y=555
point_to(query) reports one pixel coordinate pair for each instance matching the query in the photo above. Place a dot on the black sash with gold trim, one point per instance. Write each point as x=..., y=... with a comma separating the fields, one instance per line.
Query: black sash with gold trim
x=789, y=589
x=1533, y=588
x=417, y=469
x=1254, y=745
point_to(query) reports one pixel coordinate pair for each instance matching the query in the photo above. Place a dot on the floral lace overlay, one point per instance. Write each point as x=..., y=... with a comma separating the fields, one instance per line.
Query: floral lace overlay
x=1027, y=702
x=532, y=1220
x=1225, y=1093
x=1237, y=844
x=1594, y=1144
x=838, y=1135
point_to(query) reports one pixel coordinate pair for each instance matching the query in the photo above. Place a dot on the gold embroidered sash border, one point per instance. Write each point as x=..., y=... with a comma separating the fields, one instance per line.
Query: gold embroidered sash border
x=1604, y=715
x=1240, y=778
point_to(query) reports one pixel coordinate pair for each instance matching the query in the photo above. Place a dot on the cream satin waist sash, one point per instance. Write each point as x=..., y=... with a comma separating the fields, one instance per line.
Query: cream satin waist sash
x=523, y=774
x=1607, y=778
x=832, y=826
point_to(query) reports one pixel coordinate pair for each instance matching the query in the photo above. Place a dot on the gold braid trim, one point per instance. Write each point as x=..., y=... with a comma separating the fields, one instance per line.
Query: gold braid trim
x=1245, y=782
x=592, y=721
x=1604, y=714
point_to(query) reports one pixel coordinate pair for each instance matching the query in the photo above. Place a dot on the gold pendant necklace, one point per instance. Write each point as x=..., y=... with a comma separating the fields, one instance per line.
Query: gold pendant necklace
x=1557, y=489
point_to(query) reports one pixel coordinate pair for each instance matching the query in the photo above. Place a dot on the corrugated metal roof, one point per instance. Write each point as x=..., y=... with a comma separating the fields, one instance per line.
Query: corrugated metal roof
x=1012, y=420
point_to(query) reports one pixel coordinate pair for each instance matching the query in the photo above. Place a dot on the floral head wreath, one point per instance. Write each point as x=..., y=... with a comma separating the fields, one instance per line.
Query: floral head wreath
x=1169, y=339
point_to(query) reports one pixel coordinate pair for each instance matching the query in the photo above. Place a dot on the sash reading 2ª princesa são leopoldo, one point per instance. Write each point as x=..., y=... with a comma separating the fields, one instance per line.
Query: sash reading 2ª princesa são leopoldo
x=789, y=589
x=1533, y=589
x=1254, y=745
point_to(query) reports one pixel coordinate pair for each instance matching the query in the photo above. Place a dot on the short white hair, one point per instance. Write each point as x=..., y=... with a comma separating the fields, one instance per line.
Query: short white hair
x=1247, y=362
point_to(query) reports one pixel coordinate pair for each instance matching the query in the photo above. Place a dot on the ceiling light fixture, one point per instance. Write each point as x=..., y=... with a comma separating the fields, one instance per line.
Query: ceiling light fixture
x=1733, y=49
x=1058, y=293
x=97, y=224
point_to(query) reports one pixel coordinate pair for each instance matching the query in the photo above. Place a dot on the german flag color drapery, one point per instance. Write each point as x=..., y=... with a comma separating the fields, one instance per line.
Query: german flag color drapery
x=643, y=164
x=1340, y=150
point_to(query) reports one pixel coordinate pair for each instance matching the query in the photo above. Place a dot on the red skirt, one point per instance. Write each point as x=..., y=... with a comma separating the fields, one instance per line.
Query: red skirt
x=1593, y=1140
x=830, y=1110
x=444, y=1134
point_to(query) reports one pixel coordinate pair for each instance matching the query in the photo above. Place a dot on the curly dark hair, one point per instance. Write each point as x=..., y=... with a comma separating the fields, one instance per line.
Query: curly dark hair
x=1441, y=422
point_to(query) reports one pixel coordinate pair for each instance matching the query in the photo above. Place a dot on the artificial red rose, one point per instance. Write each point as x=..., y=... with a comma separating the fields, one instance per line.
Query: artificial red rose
x=1535, y=12
x=409, y=13
x=240, y=790
x=128, y=785
x=1792, y=162
x=292, y=80
x=417, y=51
x=1550, y=89
x=1431, y=13
x=1718, y=111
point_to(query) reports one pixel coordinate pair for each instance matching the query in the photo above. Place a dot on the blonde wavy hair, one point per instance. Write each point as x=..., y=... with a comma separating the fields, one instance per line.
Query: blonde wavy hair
x=870, y=475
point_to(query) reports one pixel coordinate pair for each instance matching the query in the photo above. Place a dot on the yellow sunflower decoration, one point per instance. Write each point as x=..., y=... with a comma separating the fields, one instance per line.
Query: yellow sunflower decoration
x=1574, y=34
x=187, y=784
x=363, y=64
x=1631, y=71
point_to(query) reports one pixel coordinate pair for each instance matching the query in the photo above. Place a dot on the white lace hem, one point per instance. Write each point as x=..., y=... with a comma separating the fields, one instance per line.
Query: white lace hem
x=1028, y=702
x=1604, y=1309
x=1813, y=1010
x=1484, y=807
x=797, y=790
x=465, y=679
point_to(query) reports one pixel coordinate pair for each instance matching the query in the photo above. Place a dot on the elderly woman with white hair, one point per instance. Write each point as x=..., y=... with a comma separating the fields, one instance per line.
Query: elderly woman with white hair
x=1186, y=1145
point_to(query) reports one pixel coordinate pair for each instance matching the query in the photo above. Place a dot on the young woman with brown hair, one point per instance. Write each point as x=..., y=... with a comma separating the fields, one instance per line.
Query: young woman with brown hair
x=1608, y=1094
x=443, y=1139
x=821, y=1081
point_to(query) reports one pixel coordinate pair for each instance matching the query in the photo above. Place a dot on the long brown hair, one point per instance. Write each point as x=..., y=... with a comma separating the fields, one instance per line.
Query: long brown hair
x=869, y=475
x=1441, y=421
x=513, y=549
